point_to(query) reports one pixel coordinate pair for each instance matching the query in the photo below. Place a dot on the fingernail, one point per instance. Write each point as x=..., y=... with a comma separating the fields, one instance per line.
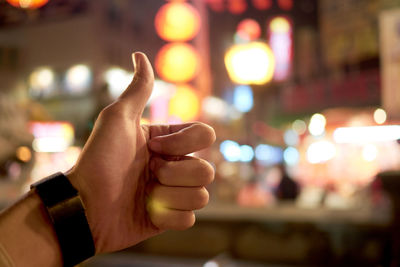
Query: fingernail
x=155, y=146
x=136, y=60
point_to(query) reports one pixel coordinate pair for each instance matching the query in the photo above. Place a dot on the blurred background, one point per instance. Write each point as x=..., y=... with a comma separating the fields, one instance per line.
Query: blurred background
x=304, y=96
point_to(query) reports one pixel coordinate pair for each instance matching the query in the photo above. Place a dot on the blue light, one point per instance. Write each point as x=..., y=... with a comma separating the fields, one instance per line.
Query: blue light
x=269, y=155
x=243, y=98
x=246, y=153
x=231, y=150
x=291, y=156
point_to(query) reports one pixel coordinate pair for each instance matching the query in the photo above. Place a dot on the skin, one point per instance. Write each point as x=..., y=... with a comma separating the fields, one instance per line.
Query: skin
x=135, y=181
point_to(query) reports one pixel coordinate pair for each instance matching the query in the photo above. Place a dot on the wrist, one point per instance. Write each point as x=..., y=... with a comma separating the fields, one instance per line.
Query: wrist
x=65, y=209
x=27, y=234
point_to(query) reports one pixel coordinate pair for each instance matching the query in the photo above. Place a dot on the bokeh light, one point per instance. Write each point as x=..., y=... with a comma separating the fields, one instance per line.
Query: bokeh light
x=177, y=21
x=249, y=29
x=299, y=126
x=285, y=4
x=117, y=80
x=367, y=134
x=230, y=150
x=262, y=4
x=30, y=4
x=291, y=138
x=24, y=153
x=78, y=78
x=268, y=155
x=291, y=156
x=380, y=116
x=177, y=62
x=317, y=124
x=237, y=6
x=185, y=103
x=246, y=153
x=320, y=152
x=41, y=80
x=243, y=98
x=251, y=63
x=214, y=107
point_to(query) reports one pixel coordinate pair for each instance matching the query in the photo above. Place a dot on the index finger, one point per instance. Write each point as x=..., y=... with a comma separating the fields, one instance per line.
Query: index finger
x=180, y=139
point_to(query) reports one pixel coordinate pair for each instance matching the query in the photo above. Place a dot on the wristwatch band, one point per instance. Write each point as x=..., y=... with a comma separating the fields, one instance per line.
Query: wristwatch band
x=65, y=209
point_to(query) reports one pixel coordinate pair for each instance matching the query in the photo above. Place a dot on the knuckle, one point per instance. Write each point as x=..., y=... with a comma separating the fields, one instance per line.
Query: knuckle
x=188, y=219
x=202, y=197
x=206, y=172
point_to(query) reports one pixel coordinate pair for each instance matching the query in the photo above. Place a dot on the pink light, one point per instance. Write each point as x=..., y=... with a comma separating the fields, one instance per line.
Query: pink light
x=281, y=43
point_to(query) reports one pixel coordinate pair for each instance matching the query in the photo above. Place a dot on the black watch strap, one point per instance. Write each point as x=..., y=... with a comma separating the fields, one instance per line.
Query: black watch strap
x=66, y=211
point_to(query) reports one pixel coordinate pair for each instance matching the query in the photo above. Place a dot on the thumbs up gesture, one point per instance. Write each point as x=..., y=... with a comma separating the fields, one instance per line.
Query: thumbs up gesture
x=136, y=180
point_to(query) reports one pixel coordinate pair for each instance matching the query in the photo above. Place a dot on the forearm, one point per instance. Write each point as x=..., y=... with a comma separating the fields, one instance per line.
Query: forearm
x=27, y=234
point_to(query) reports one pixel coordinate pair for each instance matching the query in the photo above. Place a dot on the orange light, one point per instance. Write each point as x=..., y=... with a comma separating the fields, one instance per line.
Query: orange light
x=177, y=62
x=285, y=4
x=185, y=103
x=262, y=4
x=24, y=154
x=249, y=29
x=177, y=21
x=237, y=6
x=30, y=4
x=251, y=63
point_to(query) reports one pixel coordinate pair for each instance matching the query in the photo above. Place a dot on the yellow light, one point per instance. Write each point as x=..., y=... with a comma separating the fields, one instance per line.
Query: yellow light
x=177, y=62
x=24, y=154
x=380, y=116
x=251, y=63
x=177, y=22
x=299, y=127
x=41, y=79
x=31, y=4
x=280, y=25
x=144, y=121
x=185, y=103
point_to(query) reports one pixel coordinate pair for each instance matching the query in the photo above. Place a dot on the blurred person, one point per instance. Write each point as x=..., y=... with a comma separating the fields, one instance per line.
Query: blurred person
x=287, y=188
x=130, y=183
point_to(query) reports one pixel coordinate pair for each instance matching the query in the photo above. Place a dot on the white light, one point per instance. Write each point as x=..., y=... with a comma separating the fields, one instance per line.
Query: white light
x=291, y=138
x=370, y=152
x=214, y=107
x=211, y=264
x=268, y=155
x=41, y=80
x=161, y=89
x=320, y=151
x=291, y=156
x=117, y=80
x=380, y=116
x=246, y=153
x=367, y=134
x=317, y=124
x=50, y=144
x=230, y=150
x=78, y=78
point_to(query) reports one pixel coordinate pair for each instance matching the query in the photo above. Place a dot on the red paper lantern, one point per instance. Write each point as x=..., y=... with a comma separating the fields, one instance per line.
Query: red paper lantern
x=177, y=62
x=177, y=21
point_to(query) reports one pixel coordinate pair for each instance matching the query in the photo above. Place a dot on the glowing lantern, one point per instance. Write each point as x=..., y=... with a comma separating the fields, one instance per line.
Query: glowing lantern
x=262, y=4
x=31, y=4
x=177, y=21
x=249, y=29
x=177, y=62
x=237, y=6
x=185, y=103
x=285, y=4
x=251, y=63
x=216, y=5
x=280, y=40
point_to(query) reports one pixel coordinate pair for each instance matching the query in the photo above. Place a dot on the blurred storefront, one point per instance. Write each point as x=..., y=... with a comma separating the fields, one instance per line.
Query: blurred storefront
x=303, y=96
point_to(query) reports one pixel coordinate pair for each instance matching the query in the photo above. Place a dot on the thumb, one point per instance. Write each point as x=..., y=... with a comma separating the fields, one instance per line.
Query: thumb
x=139, y=90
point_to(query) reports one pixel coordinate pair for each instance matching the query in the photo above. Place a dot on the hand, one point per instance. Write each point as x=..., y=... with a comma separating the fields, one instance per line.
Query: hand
x=135, y=181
